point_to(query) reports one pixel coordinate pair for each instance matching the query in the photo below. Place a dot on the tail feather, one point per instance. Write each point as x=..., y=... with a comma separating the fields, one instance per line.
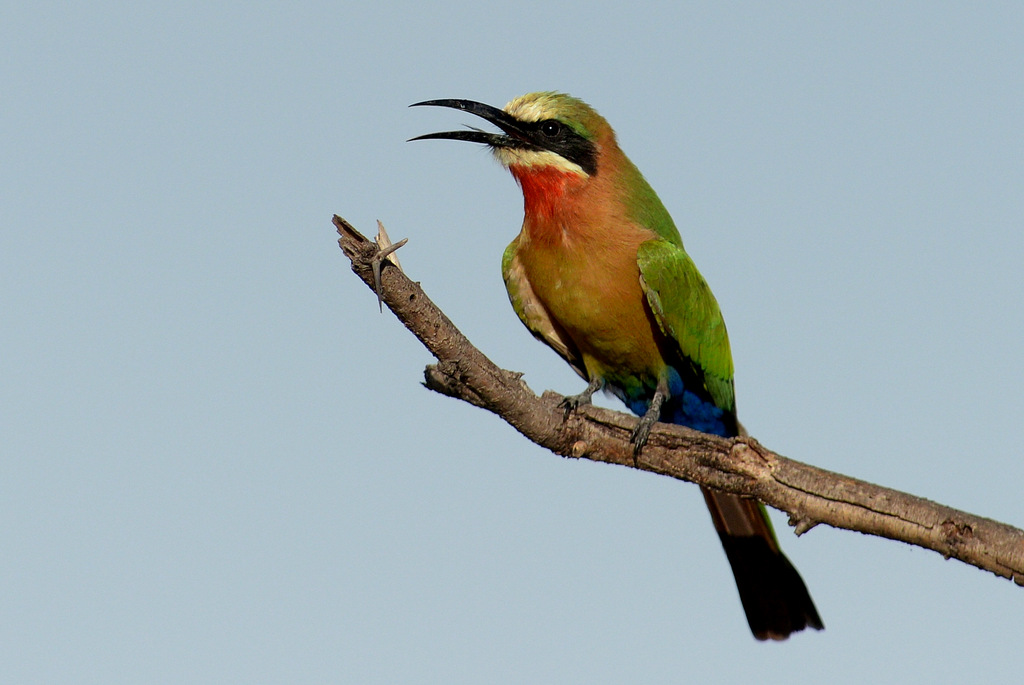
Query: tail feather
x=773, y=595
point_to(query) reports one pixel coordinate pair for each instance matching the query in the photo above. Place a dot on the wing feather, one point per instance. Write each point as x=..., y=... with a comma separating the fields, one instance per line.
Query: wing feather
x=688, y=313
x=533, y=314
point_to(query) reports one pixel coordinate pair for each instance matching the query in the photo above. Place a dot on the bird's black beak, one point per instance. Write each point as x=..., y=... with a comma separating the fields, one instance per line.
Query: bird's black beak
x=549, y=135
x=515, y=133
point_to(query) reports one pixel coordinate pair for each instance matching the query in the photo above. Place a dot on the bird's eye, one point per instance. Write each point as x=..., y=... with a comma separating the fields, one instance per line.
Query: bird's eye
x=550, y=128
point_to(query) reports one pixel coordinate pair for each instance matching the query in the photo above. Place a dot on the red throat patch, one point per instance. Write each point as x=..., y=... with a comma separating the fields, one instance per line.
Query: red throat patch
x=546, y=190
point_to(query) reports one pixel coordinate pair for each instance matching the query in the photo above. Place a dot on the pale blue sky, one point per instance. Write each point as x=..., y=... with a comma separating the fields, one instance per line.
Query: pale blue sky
x=217, y=463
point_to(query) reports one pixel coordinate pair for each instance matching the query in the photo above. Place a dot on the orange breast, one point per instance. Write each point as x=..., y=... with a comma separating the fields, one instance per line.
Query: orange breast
x=588, y=280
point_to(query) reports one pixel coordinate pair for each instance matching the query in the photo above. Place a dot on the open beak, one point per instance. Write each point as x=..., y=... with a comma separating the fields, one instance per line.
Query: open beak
x=515, y=135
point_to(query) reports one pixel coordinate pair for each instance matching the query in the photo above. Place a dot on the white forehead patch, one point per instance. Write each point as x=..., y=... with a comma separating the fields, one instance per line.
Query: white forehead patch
x=529, y=108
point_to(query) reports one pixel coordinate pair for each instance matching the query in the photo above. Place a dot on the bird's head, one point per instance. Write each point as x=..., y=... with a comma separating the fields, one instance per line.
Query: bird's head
x=541, y=133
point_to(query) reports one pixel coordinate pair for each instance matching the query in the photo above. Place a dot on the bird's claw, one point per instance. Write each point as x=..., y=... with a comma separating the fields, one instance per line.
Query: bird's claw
x=642, y=432
x=573, y=402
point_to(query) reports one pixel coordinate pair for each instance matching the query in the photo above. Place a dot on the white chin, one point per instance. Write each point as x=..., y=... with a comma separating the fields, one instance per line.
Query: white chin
x=536, y=158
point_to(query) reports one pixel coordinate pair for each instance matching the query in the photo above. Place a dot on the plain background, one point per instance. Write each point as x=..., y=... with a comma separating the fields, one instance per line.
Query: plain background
x=217, y=464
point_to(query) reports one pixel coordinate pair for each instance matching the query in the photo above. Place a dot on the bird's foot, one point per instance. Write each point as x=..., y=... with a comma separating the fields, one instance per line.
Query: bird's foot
x=642, y=432
x=643, y=428
x=573, y=402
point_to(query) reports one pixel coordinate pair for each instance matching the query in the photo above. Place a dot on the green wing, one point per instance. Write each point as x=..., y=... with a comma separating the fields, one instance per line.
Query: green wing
x=688, y=313
x=533, y=314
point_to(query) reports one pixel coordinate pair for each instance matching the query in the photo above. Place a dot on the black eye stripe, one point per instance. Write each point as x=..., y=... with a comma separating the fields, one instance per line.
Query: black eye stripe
x=553, y=135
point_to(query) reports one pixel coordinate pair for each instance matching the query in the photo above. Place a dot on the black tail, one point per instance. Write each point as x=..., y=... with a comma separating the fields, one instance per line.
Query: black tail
x=773, y=595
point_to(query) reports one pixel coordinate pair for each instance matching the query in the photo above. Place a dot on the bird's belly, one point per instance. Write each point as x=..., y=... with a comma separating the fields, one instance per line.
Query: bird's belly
x=604, y=313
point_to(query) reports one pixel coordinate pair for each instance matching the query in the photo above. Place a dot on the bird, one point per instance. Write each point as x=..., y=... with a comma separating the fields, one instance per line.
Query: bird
x=598, y=272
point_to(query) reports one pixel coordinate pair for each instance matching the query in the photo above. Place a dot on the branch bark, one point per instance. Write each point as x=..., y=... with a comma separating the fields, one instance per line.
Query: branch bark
x=740, y=465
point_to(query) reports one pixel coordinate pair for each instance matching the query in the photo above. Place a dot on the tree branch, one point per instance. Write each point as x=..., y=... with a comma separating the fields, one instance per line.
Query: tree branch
x=740, y=465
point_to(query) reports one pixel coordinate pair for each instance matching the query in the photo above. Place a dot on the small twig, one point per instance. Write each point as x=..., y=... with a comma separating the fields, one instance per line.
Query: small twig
x=386, y=252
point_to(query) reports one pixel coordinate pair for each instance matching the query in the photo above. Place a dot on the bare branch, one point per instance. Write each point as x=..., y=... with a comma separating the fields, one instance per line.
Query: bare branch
x=740, y=465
